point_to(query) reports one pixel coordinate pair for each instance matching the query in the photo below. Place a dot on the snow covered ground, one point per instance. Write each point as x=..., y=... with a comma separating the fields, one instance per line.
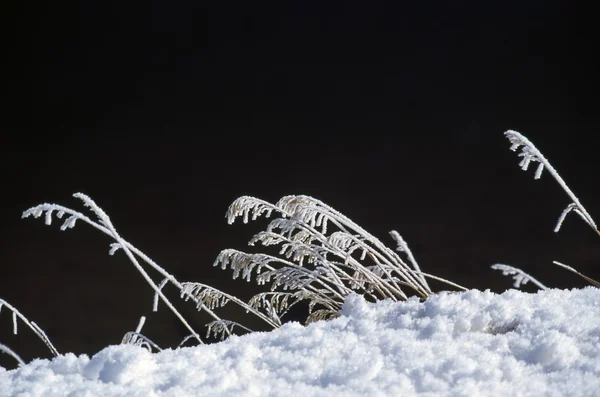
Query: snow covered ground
x=475, y=343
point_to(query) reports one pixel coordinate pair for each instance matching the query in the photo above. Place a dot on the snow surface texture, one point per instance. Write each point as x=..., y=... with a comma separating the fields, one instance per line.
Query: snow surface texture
x=454, y=344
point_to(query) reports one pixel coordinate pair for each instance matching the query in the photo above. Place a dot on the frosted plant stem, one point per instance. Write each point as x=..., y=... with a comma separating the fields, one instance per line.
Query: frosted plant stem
x=11, y=352
x=395, y=259
x=106, y=227
x=188, y=287
x=382, y=252
x=38, y=331
x=341, y=221
x=124, y=245
x=569, y=268
x=531, y=153
x=156, y=289
x=234, y=211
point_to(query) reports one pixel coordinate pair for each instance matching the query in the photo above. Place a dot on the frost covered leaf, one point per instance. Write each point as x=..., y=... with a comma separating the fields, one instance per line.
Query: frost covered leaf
x=36, y=211
x=288, y=277
x=48, y=210
x=114, y=247
x=69, y=223
x=295, y=204
x=359, y=279
x=245, y=206
x=48, y=220
x=298, y=251
x=275, y=300
x=222, y=328
x=285, y=226
x=520, y=277
x=305, y=209
x=203, y=295
x=275, y=304
x=341, y=240
x=322, y=314
x=242, y=262
x=529, y=152
x=347, y=244
x=91, y=204
x=267, y=238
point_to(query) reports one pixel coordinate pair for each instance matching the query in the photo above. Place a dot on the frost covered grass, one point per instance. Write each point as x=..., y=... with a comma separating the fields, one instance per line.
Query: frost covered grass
x=386, y=332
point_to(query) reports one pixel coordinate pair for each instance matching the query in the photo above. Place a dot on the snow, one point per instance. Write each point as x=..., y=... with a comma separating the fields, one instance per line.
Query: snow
x=473, y=343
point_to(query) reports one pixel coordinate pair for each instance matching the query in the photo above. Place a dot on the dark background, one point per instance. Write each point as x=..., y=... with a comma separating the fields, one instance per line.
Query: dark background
x=166, y=112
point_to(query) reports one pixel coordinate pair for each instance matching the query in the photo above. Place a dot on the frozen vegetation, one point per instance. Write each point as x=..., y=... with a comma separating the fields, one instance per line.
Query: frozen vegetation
x=374, y=327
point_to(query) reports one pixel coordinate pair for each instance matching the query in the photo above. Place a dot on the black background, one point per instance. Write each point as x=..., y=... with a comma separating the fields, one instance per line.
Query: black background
x=166, y=112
